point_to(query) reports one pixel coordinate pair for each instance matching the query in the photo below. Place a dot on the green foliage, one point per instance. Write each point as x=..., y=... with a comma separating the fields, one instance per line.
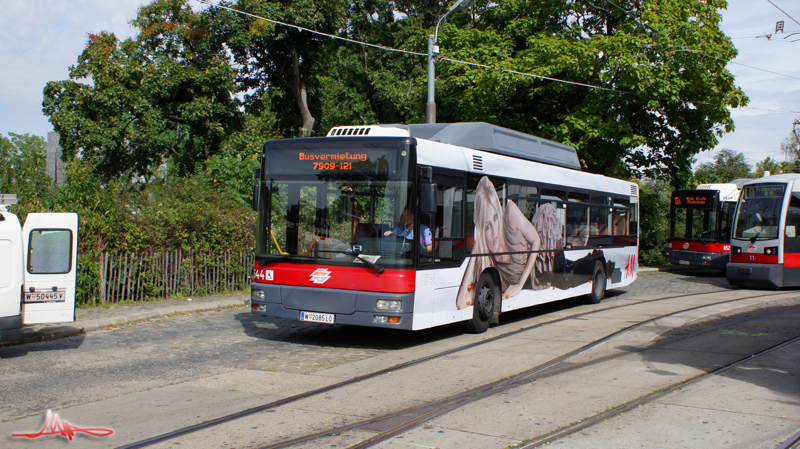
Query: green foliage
x=770, y=165
x=23, y=166
x=672, y=100
x=727, y=166
x=791, y=149
x=654, y=196
x=165, y=95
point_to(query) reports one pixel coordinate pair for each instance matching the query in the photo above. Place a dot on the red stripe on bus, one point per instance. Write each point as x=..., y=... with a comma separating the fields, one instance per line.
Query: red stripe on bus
x=791, y=259
x=753, y=258
x=699, y=247
x=329, y=276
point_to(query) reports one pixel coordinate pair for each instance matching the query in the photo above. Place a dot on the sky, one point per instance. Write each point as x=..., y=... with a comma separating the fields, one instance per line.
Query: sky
x=41, y=39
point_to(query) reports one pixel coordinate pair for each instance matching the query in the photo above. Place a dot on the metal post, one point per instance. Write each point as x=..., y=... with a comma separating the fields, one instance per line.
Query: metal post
x=430, y=107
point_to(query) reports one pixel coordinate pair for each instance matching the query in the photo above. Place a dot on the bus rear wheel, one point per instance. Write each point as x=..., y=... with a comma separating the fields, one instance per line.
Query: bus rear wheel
x=598, y=284
x=486, y=294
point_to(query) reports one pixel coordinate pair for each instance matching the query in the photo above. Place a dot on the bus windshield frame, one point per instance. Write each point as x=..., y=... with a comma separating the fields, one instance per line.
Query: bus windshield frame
x=759, y=212
x=694, y=215
x=331, y=200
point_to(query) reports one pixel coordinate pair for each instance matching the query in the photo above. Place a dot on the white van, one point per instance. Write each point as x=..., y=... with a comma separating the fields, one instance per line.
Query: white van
x=38, y=266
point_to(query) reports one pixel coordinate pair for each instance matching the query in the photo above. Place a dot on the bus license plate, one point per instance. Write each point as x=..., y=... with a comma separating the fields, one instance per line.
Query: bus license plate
x=44, y=297
x=684, y=262
x=317, y=317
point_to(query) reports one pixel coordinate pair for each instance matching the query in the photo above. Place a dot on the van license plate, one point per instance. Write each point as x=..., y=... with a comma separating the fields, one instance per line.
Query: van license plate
x=44, y=297
x=317, y=317
x=684, y=262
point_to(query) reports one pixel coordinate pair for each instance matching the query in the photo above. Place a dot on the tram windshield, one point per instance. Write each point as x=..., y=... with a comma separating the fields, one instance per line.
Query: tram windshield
x=693, y=216
x=336, y=204
x=759, y=212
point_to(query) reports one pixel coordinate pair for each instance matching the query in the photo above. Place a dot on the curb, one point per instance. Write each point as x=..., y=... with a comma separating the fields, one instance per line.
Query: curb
x=84, y=327
x=666, y=269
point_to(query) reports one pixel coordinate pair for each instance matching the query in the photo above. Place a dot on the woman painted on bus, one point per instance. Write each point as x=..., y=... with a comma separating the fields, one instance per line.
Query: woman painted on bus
x=499, y=232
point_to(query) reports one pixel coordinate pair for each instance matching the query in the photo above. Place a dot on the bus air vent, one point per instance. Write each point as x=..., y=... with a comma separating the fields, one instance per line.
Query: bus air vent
x=349, y=131
x=477, y=162
x=634, y=190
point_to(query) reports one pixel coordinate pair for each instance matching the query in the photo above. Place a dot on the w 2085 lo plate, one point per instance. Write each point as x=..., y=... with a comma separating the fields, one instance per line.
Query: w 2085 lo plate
x=317, y=317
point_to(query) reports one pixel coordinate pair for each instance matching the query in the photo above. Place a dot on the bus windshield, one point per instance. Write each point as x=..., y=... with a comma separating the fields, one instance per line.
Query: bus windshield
x=759, y=212
x=693, y=216
x=334, y=205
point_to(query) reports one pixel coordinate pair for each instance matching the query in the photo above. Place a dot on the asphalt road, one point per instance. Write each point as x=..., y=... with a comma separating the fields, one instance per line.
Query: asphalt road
x=123, y=372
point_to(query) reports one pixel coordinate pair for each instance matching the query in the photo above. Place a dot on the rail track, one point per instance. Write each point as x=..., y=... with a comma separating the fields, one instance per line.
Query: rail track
x=409, y=418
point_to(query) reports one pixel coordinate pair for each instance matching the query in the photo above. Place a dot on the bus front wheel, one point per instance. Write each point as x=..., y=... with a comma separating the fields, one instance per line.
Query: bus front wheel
x=486, y=294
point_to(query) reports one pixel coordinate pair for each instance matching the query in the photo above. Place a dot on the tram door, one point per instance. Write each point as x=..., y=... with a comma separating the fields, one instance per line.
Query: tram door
x=791, y=243
x=50, y=250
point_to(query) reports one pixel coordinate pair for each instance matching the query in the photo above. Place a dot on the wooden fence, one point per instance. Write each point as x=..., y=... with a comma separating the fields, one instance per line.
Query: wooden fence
x=138, y=277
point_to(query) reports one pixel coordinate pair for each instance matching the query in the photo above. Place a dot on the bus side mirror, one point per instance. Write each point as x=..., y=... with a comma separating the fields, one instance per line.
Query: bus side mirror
x=257, y=189
x=790, y=232
x=427, y=198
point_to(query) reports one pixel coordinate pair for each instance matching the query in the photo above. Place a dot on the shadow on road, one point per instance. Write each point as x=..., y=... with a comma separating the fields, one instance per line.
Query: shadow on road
x=24, y=347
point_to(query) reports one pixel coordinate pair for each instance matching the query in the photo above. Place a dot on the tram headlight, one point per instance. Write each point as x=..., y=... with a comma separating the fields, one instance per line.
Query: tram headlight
x=389, y=304
x=257, y=294
x=736, y=250
x=771, y=251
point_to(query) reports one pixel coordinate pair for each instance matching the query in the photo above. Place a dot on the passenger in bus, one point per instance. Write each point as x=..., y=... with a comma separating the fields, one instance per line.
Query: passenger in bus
x=498, y=233
x=406, y=229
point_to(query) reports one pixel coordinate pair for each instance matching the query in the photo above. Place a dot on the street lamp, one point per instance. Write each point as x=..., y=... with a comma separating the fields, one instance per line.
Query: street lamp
x=433, y=50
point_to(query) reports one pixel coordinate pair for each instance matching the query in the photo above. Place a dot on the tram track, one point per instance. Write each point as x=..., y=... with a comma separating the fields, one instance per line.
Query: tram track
x=442, y=406
x=423, y=413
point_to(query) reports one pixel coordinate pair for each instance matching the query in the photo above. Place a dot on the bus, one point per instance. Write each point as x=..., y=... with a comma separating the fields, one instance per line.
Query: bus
x=700, y=225
x=421, y=225
x=765, y=245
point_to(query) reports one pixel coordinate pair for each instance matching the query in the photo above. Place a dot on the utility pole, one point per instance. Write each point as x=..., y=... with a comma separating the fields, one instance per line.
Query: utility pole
x=433, y=50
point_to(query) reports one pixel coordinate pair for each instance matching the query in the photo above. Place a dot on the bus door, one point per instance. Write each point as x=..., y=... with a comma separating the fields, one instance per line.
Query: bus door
x=50, y=252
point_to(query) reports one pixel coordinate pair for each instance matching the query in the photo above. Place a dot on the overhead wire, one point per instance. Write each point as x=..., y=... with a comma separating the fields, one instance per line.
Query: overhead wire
x=575, y=83
x=779, y=9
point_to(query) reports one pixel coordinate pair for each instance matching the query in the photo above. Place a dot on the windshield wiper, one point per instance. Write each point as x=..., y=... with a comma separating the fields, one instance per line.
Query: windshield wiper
x=357, y=255
x=755, y=237
x=281, y=258
x=699, y=237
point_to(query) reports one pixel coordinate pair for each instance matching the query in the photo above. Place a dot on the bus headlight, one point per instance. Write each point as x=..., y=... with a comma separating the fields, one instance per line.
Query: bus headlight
x=385, y=319
x=388, y=304
x=706, y=257
x=257, y=294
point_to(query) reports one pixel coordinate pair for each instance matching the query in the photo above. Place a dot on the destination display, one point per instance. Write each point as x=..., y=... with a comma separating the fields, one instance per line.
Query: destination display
x=361, y=160
x=762, y=191
x=692, y=200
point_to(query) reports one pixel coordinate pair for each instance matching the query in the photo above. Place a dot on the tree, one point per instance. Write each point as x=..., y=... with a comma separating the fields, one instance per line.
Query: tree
x=791, y=149
x=24, y=165
x=768, y=165
x=727, y=166
x=664, y=60
x=166, y=95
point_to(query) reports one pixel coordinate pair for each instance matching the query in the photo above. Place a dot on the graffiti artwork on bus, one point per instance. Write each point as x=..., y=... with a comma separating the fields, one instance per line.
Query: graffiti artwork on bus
x=527, y=254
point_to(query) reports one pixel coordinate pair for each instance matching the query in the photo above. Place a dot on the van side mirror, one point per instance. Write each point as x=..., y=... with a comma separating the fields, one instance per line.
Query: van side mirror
x=427, y=198
x=257, y=189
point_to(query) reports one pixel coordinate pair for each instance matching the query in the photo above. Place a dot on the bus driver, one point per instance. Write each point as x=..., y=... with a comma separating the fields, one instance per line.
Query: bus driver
x=406, y=229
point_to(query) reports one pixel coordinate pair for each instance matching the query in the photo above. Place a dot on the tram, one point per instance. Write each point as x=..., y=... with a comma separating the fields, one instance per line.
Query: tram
x=415, y=226
x=700, y=225
x=765, y=244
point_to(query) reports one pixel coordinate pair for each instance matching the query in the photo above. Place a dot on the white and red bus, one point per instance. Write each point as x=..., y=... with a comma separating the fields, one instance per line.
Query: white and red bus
x=700, y=225
x=414, y=226
x=765, y=245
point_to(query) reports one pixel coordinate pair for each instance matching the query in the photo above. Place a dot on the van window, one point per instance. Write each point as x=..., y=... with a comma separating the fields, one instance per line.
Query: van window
x=50, y=251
